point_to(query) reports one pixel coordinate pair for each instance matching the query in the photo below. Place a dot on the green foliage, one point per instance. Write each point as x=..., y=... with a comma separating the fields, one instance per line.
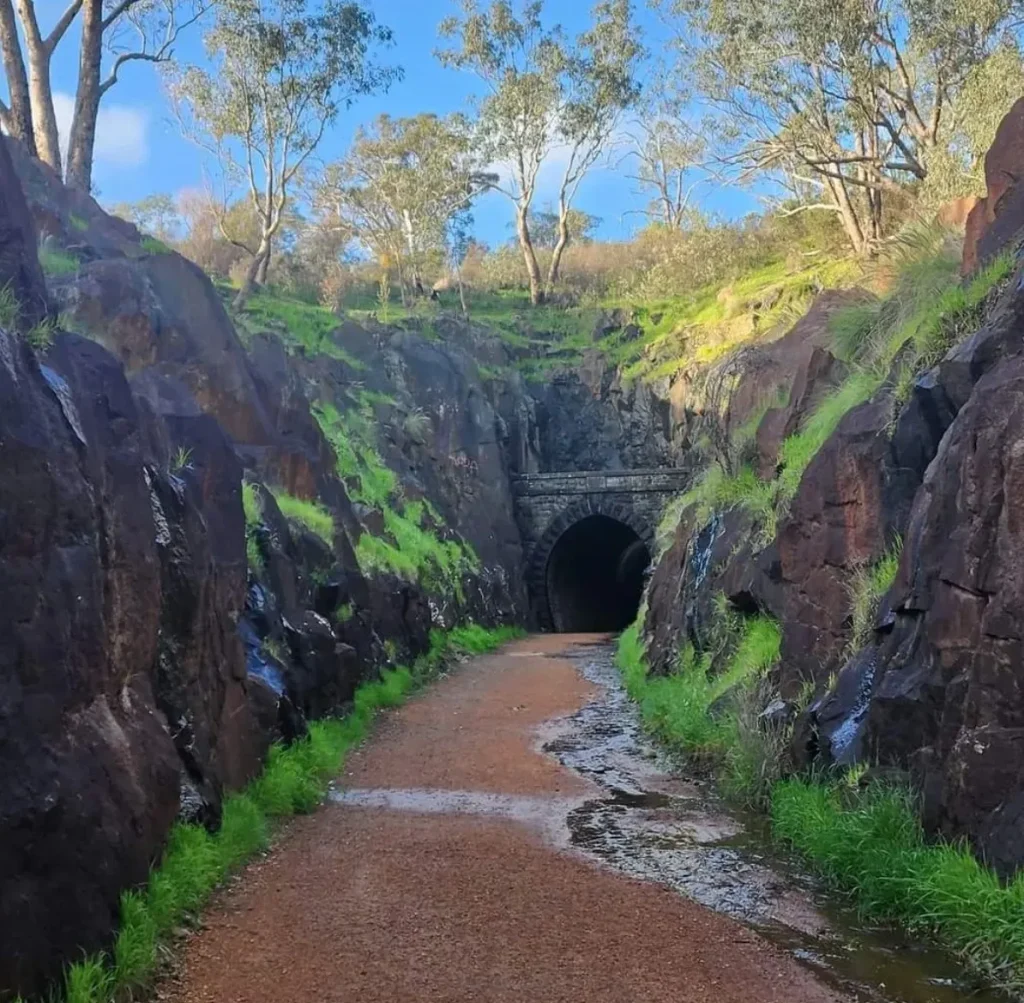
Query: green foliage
x=135, y=947
x=88, y=981
x=868, y=585
x=412, y=546
x=799, y=449
x=40, y=335
x=80, y=224
x=869, y=844
x=301, y=326
x=154, y=245
x=253, y=510
x=294, y=779
x=310, y=514
x=10, y=309
x=473, y=639
x=683, y=709
x=182, y=459
x=56, y=262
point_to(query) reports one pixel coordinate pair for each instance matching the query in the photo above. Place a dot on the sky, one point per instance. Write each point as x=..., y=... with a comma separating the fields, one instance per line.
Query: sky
x=140, y=151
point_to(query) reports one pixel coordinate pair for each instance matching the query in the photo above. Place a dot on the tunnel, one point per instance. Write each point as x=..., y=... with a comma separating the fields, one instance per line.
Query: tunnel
x=595, y=576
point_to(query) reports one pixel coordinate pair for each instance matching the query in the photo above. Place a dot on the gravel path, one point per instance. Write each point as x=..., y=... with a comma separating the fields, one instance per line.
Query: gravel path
x=440, y=874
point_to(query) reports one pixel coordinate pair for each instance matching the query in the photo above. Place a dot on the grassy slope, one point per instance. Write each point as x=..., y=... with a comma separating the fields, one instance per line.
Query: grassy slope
x=294, y=781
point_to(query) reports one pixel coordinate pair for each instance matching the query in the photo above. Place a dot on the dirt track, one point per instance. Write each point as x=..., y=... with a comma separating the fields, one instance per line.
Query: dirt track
x=469, y=897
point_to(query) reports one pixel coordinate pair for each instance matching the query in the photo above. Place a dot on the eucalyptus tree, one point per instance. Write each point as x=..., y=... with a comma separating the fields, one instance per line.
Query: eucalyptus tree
x=848, y=100
x=116, y=33
x=545, y=97
x=400, y=185
x=278, y=74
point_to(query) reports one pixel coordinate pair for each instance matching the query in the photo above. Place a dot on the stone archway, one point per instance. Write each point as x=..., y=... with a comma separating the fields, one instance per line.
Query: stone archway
x=585, y=572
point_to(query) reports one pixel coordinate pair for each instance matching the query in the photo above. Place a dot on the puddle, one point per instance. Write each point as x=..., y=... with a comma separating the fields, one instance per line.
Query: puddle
x=653, y=824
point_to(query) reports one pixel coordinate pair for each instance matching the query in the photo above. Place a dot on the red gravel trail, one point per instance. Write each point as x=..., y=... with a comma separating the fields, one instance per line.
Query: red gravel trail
x=479, y=905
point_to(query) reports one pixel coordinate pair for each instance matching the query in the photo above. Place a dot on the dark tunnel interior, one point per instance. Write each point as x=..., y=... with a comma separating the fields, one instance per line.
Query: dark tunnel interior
x=595, y=576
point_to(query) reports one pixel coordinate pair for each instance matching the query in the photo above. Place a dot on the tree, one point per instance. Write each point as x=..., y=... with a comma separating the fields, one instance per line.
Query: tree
x=547, y=224
x=667, y=150
x=544, y=95
x=400, y=184
x=126, y=31
x=843, y=108
x=279, y=76
x=155, y=214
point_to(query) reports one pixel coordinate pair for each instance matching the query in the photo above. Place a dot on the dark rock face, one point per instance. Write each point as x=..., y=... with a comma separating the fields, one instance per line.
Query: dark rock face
x=19, y=264
x=948, y=700
x=997, y=220
x=589, y=419
x=90, y=775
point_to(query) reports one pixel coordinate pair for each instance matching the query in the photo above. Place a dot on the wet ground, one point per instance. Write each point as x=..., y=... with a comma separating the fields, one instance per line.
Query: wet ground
x=510, y=835
x=657, y=824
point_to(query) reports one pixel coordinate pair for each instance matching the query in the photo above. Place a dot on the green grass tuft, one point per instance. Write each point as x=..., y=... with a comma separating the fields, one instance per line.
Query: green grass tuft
x=57, y=262
x=40, y=336
x=868, y=585
x=10, y=309
x=88, y=981
x=135, y=947
x=310, y=514
x=683, y=709
x=78, y=223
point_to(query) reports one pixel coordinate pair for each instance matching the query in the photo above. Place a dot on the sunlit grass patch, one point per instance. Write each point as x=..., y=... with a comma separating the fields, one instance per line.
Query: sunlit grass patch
x=56, y=262
x=869, y=844
x=310, y=514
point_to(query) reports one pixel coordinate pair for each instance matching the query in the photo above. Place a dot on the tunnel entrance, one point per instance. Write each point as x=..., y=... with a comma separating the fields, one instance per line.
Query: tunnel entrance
x=595, y=576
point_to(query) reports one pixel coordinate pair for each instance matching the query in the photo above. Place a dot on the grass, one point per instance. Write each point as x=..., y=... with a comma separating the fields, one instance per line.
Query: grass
x=56, y=263
x=868, y=585
x=415, y=544
x=868, y=843
x=252, y=507
x=153, y=245
x=683, y=709
x=40, y=335
x=78, y=223
x=300, y=325
x=310, y=514
x=10, y=309
x=294, y=780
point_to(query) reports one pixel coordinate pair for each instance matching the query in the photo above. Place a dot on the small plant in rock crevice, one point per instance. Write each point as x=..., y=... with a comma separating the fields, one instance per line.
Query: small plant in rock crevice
x=181, y=460
x=867, y=586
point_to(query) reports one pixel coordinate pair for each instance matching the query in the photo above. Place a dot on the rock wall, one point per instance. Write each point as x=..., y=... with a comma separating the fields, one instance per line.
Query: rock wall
x=936, y=693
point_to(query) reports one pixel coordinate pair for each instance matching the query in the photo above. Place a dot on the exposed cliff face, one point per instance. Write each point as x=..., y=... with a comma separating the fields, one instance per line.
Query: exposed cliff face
x=935, y=692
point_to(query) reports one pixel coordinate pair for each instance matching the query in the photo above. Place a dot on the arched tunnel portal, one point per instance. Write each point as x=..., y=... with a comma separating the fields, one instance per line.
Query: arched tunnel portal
x=586, y=573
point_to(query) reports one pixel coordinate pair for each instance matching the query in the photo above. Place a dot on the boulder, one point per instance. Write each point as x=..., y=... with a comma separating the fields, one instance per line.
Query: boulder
x=997, y=220
x=20, y=272
x=89, y=776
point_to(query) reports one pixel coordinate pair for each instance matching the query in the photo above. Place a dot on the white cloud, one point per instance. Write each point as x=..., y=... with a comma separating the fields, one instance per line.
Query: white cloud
x=121, y=131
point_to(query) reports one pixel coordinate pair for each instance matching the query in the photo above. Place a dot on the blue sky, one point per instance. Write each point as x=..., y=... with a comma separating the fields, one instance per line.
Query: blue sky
x=140, y=152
